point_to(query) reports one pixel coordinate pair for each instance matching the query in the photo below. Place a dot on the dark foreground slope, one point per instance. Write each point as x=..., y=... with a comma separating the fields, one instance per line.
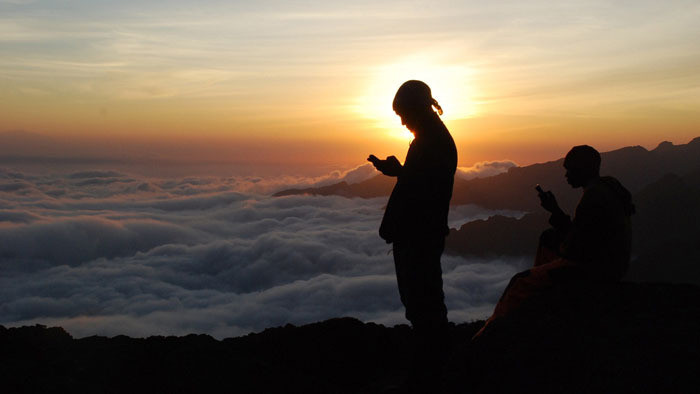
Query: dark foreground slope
x=630, y=338
x=335, y=356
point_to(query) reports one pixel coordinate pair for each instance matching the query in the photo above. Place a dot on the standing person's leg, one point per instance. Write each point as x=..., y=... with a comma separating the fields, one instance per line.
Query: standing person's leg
x=419, y=277
x=431, y=311
x=404, y=267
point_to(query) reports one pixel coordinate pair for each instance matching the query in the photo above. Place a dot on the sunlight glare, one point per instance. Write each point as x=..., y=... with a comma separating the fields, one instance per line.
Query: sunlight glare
x=450, y=85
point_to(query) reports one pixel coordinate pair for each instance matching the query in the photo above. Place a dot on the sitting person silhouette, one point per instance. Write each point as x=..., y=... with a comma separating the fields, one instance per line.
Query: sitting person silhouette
x=594, y=247
x=415, y=221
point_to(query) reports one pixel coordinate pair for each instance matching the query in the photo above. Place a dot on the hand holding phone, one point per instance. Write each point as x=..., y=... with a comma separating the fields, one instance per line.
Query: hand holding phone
x=547, y=199
x=391, y=166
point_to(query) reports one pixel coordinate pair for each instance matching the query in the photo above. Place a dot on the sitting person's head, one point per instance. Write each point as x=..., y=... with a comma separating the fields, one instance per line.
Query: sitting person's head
x=414, y=103
x=582, y=165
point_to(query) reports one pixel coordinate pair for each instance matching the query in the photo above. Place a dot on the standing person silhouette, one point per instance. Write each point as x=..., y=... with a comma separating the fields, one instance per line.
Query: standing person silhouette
x=415, y=221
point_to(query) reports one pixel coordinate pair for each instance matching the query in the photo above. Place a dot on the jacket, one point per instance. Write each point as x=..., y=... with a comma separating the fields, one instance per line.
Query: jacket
x=420, y=201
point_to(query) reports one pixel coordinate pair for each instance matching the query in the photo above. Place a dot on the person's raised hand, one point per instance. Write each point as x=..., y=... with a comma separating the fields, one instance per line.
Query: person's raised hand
x=548, y=201
x=391, y=166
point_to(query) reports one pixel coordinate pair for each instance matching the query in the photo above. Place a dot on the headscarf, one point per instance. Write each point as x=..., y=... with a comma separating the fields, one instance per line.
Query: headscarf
x=414, y=95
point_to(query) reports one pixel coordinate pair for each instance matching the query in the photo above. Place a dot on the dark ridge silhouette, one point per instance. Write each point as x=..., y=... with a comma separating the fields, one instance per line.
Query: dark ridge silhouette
x=497, y=236
x=667, y=231
x=340, y=355
x=665, y=243
x=374, y=187
x=634, y=166
x=623, y=338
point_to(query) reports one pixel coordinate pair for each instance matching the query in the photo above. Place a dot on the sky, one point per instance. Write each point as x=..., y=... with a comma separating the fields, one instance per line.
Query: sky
x=310, y=83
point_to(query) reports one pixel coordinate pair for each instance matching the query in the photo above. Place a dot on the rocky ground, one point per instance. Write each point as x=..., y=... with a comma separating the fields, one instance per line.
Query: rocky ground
x=628, y=338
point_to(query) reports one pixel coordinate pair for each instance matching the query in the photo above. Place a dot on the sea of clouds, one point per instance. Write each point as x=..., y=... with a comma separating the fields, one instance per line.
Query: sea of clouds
x=105, y=252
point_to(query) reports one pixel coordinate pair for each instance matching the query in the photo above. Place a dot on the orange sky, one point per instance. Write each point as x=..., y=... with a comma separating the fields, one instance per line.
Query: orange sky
x=312, y=83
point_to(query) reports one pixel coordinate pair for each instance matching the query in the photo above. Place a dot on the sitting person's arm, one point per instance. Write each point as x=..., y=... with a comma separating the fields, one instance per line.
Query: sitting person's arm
x=588, y=236
x=559, y=219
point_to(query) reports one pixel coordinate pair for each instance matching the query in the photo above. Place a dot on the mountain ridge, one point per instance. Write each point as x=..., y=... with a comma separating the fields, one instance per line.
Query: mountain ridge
x=634, y=166
x=665, y=228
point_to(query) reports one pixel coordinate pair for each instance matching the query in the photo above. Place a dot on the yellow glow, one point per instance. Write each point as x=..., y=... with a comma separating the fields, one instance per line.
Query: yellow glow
x=450, y=85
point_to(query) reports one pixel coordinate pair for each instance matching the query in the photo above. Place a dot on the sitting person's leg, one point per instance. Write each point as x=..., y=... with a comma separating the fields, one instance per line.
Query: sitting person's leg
x=526, y=284
x=548, y=247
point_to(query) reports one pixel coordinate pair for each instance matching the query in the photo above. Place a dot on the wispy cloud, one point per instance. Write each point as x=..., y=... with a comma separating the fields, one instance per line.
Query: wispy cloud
x=262, y=68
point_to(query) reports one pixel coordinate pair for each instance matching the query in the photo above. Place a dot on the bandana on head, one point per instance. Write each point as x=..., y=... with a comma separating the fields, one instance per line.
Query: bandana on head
x=414, y=95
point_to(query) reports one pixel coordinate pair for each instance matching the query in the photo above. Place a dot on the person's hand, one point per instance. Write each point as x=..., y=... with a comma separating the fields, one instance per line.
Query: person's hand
x=548, y=201
x=391, y=166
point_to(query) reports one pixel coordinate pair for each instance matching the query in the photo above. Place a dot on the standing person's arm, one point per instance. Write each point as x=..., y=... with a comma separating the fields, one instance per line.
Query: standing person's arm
x=427, y=179
x=390, y=167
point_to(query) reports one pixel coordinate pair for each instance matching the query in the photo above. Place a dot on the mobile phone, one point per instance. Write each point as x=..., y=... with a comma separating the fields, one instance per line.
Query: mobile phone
x=538, y=188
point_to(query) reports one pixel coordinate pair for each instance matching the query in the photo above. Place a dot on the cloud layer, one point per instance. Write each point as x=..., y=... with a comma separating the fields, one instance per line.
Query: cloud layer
x=102, y=252
x=484, y=169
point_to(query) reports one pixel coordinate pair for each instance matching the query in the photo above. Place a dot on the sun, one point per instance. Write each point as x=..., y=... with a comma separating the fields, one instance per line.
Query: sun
x=450, y=85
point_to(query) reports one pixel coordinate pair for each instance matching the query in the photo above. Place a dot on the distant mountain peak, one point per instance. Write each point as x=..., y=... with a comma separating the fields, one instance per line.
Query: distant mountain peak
x=634, y=166
x=665, y=145
x=633, y=148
